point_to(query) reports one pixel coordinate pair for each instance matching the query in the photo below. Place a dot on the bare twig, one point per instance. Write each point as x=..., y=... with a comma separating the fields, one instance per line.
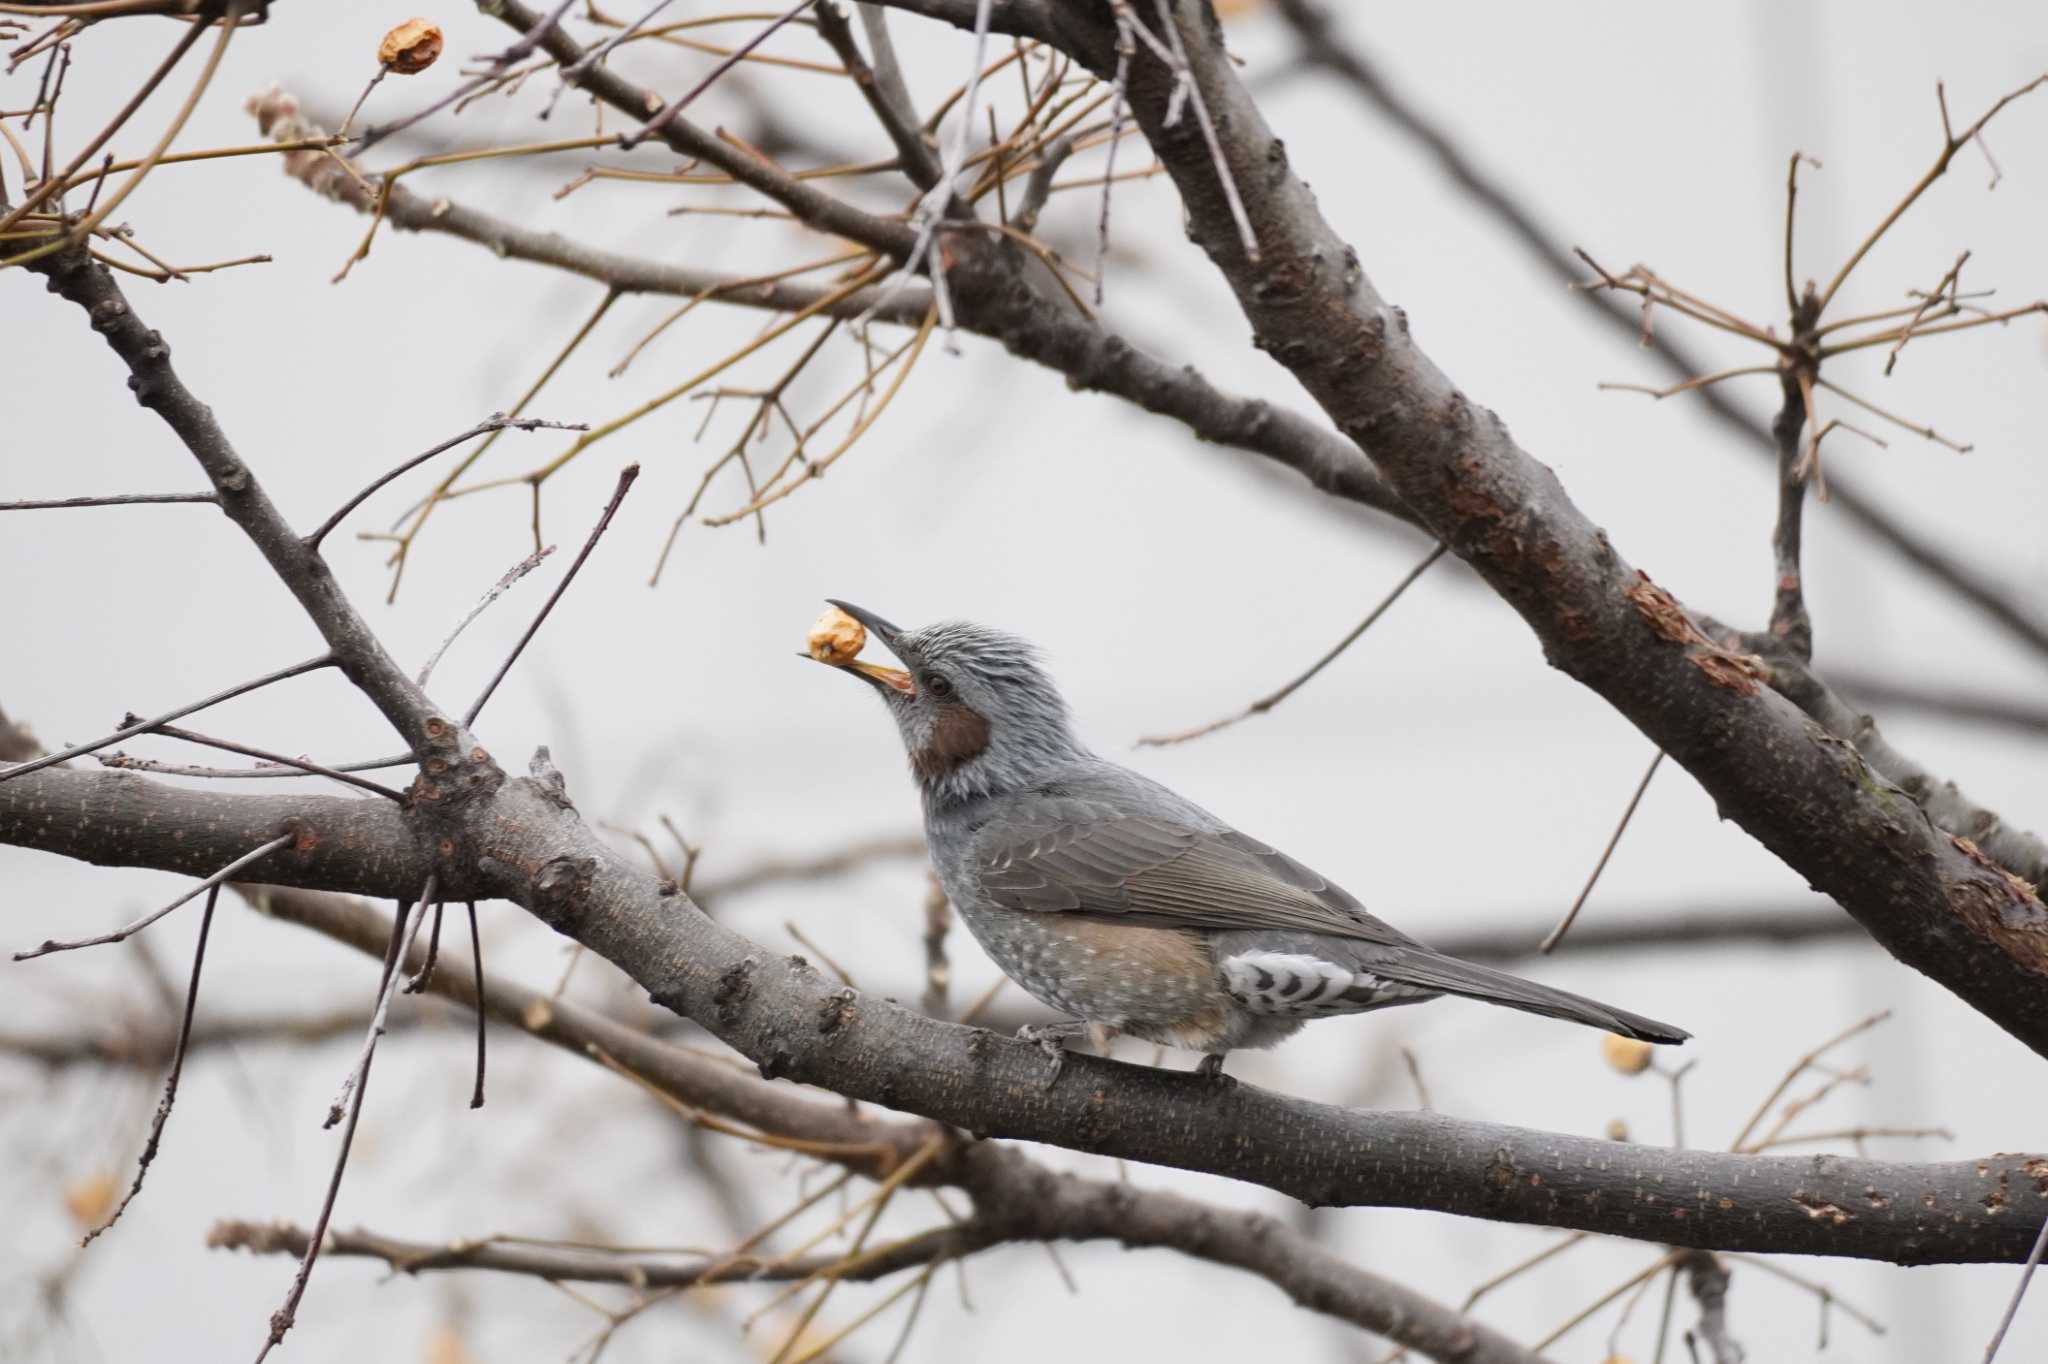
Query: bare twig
x=476, y=957
x=403, y=928
x=498, y=589
x=128, y=763
x=163, y=1108
x=115, y=500
x=1951, y=144
x=1798, y=1068
x=626, y=477
x=497, y=421
x=654, y=126
x=227, y=873
x=1272, y=699
x=145, y=726
x=1564, y=925
x=280, y=760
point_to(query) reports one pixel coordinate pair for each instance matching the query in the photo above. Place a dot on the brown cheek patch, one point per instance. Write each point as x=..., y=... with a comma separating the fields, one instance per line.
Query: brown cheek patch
x=959, y=735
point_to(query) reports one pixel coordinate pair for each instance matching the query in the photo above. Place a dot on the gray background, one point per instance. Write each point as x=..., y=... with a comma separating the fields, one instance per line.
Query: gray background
x=1440, y=770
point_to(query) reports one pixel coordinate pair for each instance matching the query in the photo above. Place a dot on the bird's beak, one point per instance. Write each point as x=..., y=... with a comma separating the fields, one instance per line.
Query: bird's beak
x=894, y=679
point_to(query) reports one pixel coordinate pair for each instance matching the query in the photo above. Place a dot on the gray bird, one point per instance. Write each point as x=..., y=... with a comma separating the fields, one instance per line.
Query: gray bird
x=1124, y=905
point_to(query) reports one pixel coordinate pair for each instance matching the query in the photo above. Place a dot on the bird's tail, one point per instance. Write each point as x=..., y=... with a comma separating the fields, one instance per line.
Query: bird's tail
x=1472, y=981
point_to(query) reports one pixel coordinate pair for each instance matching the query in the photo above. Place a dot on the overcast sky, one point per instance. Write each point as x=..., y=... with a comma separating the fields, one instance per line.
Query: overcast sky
x=1440, y=771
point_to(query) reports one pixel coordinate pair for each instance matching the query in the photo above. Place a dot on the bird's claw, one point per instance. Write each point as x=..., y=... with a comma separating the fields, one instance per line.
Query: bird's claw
x=1051, y=1038
x=1211, y=1070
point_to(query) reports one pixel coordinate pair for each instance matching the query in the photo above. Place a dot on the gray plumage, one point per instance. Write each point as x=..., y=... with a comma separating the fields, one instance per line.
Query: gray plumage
x=1117, y=901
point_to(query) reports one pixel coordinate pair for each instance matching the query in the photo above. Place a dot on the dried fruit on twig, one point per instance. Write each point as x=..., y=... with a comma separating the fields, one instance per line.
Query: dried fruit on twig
x=410, y=48
x=1626, y=1054
x=837, y=638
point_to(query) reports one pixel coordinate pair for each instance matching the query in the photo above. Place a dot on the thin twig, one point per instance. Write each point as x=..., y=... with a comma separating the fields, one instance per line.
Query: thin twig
x=116, y=500
x=227, y=873
x=655, y=125
x=394, y=957
x=2019, y=1291
x=386, y=988
x=476, y=957
x=626, y=477
x=280, y=760
x=498, y=589
x=497, y=421
x=163, y=1108
x=145, y=726
x=126, y=762
x=1556, y=935
x=424, y=977
x=1267, y=702
x=1799, y=1067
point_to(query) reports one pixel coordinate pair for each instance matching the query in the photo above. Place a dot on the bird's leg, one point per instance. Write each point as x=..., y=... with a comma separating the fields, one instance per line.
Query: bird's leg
x=1211, y=1069
x=1051, y=1038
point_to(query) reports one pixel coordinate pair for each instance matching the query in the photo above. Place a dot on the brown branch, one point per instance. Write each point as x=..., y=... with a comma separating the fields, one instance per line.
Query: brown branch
x=1789, y=619
x=1016, y=1198
x=2016, y=850
x=889, y=101
x=538, y=854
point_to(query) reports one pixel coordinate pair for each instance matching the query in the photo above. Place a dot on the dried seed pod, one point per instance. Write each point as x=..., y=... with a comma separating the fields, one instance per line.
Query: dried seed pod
x=410, y=48
x=837, y=638
x=1626, y=1054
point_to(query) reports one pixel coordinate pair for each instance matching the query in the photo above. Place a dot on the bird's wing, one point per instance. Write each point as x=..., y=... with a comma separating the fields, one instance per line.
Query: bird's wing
x=1172, y=874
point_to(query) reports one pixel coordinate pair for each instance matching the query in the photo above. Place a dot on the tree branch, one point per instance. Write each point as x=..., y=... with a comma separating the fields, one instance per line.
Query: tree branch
x=794, y=1023
x=1016, y=1198
x=2014, y=849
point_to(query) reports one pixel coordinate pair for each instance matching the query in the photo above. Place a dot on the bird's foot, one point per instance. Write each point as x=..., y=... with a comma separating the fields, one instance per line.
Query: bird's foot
x=1051, y=1038
x=1211, y=1069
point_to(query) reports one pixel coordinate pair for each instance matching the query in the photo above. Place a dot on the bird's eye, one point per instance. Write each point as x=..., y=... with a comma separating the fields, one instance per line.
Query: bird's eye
x=938, y=684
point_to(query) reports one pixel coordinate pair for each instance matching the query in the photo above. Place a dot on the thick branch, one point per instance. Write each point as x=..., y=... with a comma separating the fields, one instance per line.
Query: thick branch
x=1779, y=777
x=795, y=1023
x=2014, y=849
x=117, y=819
x=1016, y=1198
